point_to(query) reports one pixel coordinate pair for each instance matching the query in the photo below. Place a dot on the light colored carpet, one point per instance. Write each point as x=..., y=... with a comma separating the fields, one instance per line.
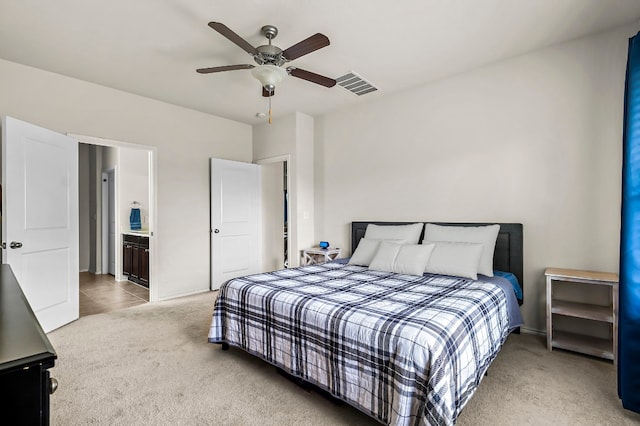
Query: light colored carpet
x=152, y=365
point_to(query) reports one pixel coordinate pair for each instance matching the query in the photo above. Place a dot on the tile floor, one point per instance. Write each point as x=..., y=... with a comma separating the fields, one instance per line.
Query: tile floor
x=102, y=293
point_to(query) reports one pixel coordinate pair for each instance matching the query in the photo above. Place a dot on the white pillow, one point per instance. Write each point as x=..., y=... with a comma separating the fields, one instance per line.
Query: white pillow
x=485, y=235
x=453, y=258
x=409, y=259
x=385, y=256
x=410, y=233
x=366, y=250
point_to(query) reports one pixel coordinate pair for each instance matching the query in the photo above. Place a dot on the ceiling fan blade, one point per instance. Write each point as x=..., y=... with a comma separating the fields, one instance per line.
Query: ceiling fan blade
x=313, y=43
x=225, y=68
x=312, y=77
x=266, y=93
x=235, y=38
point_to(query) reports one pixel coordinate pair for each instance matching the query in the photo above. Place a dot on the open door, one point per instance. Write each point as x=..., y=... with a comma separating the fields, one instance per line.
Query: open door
x=40, y=218
x=273, y=229
x=234, y=220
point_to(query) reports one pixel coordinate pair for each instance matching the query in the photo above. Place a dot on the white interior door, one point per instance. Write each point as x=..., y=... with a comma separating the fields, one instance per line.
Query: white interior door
x=108, y=223
x=272, y=216
x=111, y=227
x=234, y=220
x=40, y=218
x=104, y=217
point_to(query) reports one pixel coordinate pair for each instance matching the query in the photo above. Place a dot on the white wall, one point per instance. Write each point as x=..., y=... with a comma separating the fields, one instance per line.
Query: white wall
x=134, y=185
x=185, y=140
x=305, y=181
x=109, y=159
x=292, y=135
x=534, y=139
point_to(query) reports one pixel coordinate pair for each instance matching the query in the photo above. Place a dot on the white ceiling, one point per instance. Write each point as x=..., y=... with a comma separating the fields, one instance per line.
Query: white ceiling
x=153, y=47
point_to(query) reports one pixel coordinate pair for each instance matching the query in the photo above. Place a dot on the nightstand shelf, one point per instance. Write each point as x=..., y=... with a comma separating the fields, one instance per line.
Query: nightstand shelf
x=589, y=345
x=582, y=310
x=603, y=311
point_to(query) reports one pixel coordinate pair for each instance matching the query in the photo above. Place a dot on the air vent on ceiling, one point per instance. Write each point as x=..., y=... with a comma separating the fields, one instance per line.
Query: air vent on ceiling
x=356, y=84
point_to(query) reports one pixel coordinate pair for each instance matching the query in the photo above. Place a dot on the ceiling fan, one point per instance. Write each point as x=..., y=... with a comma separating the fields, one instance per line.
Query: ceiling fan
x=270, y=58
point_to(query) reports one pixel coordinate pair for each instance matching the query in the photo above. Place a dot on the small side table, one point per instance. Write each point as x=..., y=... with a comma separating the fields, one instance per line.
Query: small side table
x=317, y=255
x=606, y=312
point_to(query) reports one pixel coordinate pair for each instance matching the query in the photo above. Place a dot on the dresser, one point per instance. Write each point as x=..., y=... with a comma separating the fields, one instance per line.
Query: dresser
x=26, y=355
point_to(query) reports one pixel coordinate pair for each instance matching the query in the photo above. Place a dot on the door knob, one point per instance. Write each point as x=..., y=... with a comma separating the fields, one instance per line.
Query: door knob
x=53, y=385
x=215, y=231
x=15, y=244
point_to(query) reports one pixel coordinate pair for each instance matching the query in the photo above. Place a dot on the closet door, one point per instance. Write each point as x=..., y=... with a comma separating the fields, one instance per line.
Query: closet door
x=235, y=196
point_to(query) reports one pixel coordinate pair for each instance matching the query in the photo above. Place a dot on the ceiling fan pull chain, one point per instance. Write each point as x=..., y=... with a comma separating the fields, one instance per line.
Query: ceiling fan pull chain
x=269, y=109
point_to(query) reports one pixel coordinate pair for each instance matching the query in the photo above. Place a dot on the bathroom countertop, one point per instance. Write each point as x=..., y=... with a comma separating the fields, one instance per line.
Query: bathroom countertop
x=141, y=232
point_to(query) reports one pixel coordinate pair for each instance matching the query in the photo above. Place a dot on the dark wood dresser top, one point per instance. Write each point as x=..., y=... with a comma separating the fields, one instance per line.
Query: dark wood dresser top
x=22, y=340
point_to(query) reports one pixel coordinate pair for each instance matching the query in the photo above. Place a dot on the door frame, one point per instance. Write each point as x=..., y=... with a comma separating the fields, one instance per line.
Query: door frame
x=291, y=225
x=153, y=206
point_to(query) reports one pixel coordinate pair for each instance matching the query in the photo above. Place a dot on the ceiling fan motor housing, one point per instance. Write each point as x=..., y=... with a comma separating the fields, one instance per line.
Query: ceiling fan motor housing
x=269, y=54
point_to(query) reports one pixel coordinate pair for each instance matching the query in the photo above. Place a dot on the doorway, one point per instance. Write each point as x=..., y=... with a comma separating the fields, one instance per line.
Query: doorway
x=275, y=215
x=119, y=173
x=102, y=293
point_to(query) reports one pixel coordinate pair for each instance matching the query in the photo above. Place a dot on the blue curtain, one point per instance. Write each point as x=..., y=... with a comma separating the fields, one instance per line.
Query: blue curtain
x=629, y=310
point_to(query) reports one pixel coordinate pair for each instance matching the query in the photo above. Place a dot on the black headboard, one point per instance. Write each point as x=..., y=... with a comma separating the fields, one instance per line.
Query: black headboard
x=508, y=255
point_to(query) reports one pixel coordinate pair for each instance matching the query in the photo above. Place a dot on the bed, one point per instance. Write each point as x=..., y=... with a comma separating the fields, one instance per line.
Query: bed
x=404, y=349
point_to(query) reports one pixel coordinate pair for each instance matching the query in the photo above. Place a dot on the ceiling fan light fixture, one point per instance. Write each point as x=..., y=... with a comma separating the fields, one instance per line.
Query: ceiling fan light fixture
x=269, y=75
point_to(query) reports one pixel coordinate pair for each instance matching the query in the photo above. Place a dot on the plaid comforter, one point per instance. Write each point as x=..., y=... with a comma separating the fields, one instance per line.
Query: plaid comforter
x=406, y=350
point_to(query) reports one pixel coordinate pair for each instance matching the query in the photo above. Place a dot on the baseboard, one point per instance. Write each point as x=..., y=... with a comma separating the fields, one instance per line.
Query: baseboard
x=175, y=296
x=84, y=270
x=528, y=330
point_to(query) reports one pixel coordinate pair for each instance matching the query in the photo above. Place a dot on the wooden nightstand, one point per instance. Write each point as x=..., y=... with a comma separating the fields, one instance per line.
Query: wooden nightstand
x=317, y=255
x=606, y=312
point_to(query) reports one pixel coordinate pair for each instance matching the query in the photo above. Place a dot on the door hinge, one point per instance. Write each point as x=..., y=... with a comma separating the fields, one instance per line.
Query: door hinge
x=4, y=245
